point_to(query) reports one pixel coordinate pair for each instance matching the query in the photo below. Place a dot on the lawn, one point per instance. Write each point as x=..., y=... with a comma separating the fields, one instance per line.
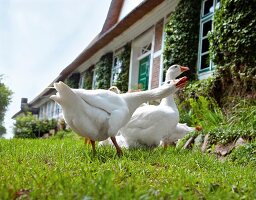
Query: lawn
x=66, y=169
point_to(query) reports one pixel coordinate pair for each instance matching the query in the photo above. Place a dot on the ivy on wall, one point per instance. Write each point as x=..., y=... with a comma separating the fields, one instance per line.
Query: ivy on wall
x=73, y=80
x=103, y=71
x=88, y=78
x=123, y=76
x=233, y=46
x=182, y=34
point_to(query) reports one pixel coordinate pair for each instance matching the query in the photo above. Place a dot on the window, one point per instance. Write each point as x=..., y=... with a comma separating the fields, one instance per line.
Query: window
x=81, y=81
x=57, y=110
x=208, y=8
x=94, y=82
x=116, y=69
x=49, y=110
x=146, y=49
x=42, y=114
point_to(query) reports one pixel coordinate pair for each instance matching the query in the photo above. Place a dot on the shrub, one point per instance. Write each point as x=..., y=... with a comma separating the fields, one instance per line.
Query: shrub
x=243, y=115
x=202, y=111
x=225, y=134
x=198, y=106
x=29, y=126
x=244, y=154
x=25, y=126
x=66, y=134
x=240, y=121
x=198, y=88
x=232, y=46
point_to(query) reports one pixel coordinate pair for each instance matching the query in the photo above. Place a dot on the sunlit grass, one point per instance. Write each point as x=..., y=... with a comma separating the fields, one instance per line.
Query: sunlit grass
x=67, y=169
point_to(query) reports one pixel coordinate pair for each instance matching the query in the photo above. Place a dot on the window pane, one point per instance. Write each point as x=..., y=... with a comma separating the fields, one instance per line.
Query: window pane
x=205, y=61
x=208, y=7
x=205, y=45
x=217, y=6
x=207, y=26
x=115, y=61
x=146, y=49
x=116, y=69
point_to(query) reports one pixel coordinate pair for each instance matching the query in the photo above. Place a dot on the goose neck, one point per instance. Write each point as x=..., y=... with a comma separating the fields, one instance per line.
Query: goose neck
x=134, y=100
x=169, y=101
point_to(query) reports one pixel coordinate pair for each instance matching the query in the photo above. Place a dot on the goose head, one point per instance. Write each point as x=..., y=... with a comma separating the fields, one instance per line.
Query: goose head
x=114, y=89
x=64, y=94
x=174, y=71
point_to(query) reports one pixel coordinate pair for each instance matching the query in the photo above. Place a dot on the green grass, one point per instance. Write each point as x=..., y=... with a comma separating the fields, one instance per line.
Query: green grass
x=66, y=169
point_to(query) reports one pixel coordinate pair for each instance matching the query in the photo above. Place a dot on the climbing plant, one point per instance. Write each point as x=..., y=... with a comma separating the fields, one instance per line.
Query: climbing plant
x=233, y=46
x=73, y=80
x=123, y=76
x=182, y=32
x=88, y=78
x=103, y=71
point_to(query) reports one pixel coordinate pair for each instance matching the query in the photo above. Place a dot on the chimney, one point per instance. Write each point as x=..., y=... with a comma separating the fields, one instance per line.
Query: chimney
x=24, y=104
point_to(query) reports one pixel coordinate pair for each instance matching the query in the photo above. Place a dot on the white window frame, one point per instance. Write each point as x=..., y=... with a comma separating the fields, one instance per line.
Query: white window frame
x=116, y=66
x=204, y=19
x=94, y=80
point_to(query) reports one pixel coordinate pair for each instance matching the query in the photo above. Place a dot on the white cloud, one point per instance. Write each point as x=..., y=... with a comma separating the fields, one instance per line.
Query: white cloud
x=39, y=38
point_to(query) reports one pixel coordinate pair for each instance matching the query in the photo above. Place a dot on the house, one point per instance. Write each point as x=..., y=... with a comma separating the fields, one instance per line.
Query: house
x=142, y=27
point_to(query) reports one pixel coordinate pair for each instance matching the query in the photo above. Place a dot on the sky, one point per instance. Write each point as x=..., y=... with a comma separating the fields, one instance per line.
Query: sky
x=39, y=38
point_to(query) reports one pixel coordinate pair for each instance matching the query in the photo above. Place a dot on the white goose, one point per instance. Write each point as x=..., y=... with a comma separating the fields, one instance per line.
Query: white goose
x=150, y=124
x=99, y=114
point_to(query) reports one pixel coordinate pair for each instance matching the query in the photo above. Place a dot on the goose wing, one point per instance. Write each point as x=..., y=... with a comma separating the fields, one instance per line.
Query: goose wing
x=102, y=99
x=149, y=115
x=149, y=124
x=108, y=102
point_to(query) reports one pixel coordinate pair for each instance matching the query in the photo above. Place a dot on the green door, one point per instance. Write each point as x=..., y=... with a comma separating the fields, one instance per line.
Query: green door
x=144, y=72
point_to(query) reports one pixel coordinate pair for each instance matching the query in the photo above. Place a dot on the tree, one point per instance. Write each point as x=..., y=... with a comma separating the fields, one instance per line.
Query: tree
x=5, y=99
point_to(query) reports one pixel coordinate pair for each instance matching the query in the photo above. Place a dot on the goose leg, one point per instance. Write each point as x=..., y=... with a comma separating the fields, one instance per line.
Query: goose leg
x=93, y=147
x=118, y=149
x=165, y=145
x=87, y=140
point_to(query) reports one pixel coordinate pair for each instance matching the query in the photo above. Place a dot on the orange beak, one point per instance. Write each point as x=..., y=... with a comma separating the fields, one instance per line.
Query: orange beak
x=183, y=69
x=182, y=82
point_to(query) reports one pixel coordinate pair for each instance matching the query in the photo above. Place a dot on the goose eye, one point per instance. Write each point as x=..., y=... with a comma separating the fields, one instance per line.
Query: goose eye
x=168, y=82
